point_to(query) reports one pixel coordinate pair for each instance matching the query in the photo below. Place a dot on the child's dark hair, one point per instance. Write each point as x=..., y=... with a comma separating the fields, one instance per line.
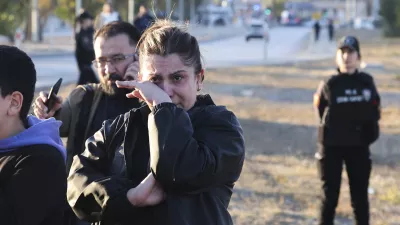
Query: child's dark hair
x=17, y=73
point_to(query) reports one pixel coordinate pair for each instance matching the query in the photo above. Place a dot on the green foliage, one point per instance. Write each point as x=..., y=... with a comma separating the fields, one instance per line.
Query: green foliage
x=65, y=10
x=278, y=6
x=390, y=11
x=16, y=13
x=12, y=15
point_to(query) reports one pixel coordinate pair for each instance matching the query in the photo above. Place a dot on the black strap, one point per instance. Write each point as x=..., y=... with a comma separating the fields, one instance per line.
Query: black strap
x=80, y=124
x=93, y=95
x=95, y=103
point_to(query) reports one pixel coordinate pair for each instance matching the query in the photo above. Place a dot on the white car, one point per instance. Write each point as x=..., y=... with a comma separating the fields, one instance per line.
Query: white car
x=259, y=29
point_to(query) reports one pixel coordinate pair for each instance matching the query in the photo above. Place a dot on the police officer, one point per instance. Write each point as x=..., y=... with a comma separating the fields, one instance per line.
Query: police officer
x=348, y=107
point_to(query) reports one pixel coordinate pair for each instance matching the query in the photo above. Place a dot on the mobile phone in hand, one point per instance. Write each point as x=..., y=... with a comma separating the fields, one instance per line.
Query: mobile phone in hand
x=52, y=97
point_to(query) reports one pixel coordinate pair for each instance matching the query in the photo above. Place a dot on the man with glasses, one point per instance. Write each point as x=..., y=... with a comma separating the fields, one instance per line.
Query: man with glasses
x=85, y=109
x=116, y=59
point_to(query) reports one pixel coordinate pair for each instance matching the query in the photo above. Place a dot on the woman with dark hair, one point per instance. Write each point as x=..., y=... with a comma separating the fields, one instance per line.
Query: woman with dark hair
x=173, y=161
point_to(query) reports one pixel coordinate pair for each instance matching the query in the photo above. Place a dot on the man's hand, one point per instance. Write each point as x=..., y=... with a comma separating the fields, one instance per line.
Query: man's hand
x=147, y=193
x=40, y=109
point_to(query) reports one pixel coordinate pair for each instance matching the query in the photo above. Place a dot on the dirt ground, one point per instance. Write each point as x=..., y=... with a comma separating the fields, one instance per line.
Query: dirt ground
x=279, y=183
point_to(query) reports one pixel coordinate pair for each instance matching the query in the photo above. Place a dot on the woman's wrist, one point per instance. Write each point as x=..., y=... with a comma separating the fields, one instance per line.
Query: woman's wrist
x=163, y=100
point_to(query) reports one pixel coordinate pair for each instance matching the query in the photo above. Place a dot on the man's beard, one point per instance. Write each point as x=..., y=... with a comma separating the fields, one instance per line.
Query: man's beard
x=112, y=89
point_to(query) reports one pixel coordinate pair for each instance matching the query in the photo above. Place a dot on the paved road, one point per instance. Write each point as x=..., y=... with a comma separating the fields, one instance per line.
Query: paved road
x=50, y=69
x=284, y=44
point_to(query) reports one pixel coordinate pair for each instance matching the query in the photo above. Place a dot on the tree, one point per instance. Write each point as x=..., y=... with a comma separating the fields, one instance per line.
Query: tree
x=46, y=8
x=390, y=11
x=278, y=6
x=65, y=10
x=13, y=13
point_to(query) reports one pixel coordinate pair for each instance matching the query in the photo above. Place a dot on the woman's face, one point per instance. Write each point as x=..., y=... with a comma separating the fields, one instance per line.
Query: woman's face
x=347, y=60
x=171, y=75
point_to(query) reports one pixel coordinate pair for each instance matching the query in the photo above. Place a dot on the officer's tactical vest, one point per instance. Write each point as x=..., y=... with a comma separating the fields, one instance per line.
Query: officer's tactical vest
x=351, y=118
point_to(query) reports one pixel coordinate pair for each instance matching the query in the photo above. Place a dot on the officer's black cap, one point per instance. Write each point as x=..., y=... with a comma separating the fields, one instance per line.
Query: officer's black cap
x=350, y=42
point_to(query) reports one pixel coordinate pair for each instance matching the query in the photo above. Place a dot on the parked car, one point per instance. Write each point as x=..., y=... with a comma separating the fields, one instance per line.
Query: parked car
x=259, y=29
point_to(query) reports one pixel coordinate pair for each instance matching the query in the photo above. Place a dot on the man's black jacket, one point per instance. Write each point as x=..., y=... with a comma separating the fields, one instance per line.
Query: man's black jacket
x=196, y=156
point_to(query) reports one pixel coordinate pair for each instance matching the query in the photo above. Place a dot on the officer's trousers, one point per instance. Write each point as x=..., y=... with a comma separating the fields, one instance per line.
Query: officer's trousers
x=358, y=166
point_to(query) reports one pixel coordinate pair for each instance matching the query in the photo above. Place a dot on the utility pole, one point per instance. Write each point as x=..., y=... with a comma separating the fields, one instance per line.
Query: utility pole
x=167, y=8
x=131, y=11
x=350, y=9
x=78, y=7
x=154, y=6
x=181, y=10
x=192, y=12
x=35, y=20
x=375, y=8
x=354, y=8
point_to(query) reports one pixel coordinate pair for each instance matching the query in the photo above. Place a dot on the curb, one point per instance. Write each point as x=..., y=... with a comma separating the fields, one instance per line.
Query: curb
x=50, y=54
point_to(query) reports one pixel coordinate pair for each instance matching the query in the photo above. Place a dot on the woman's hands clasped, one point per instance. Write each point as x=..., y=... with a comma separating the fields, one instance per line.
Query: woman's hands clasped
x=147, y=193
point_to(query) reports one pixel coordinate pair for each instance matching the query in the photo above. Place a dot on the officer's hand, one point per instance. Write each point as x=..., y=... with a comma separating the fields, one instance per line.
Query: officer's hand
x=132, y=71
x=40, y=109
x=147, y=193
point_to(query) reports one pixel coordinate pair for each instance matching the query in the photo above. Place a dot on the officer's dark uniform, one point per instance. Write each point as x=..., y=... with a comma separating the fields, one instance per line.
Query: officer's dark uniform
x=349, y=110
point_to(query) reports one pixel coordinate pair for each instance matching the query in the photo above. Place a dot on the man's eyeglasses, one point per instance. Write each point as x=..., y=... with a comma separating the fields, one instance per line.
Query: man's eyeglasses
x=114, y=60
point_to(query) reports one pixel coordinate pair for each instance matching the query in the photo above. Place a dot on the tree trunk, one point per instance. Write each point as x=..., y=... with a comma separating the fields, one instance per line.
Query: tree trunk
x=369, y=7
x=42, y=23
x=28, y=27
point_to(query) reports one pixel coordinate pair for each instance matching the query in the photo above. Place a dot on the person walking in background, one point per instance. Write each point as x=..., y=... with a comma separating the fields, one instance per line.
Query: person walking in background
x=84, y=51
x=348, y=108
x=317, y=29
x=108, y=15
x=143, y=19
x=331, y=29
